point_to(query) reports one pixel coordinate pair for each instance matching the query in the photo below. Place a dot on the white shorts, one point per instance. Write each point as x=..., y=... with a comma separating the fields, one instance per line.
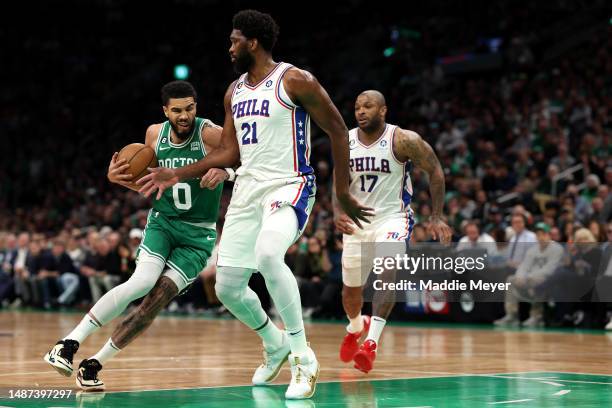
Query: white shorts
x=393, y=229
x=252, y=202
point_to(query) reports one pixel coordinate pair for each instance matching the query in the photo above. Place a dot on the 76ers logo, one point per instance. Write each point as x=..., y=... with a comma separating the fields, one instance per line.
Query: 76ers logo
x=392, y=235
x=276, y=205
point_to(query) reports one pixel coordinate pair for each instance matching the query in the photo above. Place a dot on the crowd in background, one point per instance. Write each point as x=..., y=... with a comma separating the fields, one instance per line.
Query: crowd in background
x=522, y=143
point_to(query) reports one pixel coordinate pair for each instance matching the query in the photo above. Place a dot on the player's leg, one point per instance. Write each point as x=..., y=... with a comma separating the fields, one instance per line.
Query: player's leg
x=235, y=266
x=280, y=227
x=153, y=251
x=183, y=266
x=126, y=331
x=391, y=239
x=352, y=295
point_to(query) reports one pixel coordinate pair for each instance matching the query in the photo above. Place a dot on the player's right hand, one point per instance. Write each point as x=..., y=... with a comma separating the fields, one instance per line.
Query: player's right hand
x=354, y=210
x=159, y=178
x=116, y=170
x=344, y=224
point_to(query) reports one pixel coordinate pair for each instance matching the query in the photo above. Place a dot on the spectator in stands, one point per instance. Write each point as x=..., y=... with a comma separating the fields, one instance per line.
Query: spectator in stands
x=103, y=274
x=563, y=160
x=17, y=260
x=572, y=284
x=36, y=276
x=7, y=244
x=538, y=265
x=520, y=241
x=58, y=268
x=330, y=303
x=475, y=239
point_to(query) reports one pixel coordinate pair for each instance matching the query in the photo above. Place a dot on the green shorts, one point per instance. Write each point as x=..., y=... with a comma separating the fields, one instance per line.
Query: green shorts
x=183, y=247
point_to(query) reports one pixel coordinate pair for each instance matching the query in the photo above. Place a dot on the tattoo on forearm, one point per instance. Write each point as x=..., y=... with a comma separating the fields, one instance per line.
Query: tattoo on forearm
x=142, y=317
x=412, y=147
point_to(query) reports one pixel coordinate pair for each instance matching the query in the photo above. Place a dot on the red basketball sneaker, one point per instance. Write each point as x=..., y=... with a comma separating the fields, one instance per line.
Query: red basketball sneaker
x=364, y=358
x=350, y=344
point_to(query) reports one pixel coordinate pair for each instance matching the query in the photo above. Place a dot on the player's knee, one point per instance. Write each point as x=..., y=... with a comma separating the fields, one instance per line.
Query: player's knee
x=267, y=257
x=225, y=294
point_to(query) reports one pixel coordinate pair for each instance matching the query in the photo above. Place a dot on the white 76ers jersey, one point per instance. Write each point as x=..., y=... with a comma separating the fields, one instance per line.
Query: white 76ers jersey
x=378, y=179
x=273, y=133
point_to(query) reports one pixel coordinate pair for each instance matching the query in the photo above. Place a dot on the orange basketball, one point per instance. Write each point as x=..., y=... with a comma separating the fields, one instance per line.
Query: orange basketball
x=139, y=157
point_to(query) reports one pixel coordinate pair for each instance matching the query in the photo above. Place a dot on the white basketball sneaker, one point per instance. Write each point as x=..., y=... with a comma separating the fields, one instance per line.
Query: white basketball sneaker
x=304, y=374
x=273, y=361
x=61, y=355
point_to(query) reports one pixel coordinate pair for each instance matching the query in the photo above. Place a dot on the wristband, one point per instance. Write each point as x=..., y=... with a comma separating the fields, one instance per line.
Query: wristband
x=231, y=174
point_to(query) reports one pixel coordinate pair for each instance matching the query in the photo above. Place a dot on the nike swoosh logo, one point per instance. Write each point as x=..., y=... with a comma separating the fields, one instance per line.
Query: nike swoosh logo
x=164, y=148
x=210, y=238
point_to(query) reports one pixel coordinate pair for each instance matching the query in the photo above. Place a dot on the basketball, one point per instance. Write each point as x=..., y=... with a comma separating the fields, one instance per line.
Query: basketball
x=139, y=157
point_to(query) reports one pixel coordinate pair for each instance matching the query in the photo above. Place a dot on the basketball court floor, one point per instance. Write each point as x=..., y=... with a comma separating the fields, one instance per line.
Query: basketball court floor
x=200, y=362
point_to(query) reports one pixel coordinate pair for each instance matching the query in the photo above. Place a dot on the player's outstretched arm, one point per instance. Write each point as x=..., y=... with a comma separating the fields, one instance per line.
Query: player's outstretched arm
x=408, y=145
x=303, y=87
x=226, y=155
x=211, y=137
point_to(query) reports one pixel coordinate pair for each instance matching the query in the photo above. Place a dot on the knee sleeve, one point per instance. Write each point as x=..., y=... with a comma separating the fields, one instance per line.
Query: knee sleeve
x=233, y=291
x=114, y=302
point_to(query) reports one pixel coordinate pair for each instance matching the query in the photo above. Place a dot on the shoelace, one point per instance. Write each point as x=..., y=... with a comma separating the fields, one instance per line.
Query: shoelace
x=90, y=372
x=300, y=368
x=67, y=352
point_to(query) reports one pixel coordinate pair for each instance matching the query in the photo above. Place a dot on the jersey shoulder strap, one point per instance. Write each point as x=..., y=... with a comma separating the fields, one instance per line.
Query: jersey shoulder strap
x=162, y=136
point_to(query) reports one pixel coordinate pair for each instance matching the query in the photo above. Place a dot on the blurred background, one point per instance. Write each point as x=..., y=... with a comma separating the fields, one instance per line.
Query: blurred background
x=515, y=97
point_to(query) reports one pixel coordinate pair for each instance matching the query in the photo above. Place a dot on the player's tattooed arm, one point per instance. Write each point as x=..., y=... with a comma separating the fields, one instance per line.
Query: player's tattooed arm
x=304, y=89
x=408, y=145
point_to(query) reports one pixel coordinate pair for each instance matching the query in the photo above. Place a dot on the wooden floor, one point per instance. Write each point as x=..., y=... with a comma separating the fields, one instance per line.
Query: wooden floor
x=195, y=352
x=178, y=353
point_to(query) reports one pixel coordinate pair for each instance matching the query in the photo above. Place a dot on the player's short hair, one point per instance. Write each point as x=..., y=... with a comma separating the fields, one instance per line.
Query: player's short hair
x=177, y=89
x=255, y=24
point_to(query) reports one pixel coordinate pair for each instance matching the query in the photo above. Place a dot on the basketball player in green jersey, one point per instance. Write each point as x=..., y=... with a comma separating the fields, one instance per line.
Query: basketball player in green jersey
x=177, y=241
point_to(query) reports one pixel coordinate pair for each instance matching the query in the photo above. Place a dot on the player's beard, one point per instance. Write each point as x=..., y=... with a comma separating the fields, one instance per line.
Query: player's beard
x=181, y=135
x=243, y=62
x=372, y=125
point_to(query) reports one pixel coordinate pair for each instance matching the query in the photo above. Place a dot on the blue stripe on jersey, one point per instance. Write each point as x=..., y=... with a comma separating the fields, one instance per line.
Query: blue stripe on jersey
x=406, y=196
x=301, y=206
x=300, y=117
x=410, y=224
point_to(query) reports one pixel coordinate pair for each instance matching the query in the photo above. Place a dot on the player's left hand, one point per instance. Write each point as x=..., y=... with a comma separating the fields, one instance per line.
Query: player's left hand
x=213, y=178
x=159, y=178
x=344, y=224
x=354, y=210
x=438, y=229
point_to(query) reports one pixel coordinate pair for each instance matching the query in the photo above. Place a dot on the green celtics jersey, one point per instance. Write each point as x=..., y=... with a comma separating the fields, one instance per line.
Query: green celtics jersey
x=186, y=201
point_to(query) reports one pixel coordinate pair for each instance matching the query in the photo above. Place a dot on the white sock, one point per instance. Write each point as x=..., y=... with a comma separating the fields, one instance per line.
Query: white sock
x=271, y=335
x=377, y=324
x=87, y=326
x=297, y=341
x=107, y=352
x=355, y=325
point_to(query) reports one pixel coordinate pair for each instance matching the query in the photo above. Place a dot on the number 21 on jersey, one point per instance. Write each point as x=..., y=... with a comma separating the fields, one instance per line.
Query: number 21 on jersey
x=249, y=133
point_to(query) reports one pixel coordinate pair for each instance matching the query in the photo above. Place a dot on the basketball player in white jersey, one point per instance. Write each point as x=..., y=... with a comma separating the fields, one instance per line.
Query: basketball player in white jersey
x=379, y=164
x=267, y=129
